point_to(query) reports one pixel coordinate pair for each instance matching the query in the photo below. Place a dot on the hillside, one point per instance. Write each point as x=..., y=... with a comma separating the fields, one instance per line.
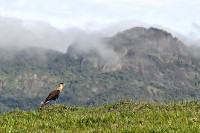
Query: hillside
x=138, y=64
x=124, y=116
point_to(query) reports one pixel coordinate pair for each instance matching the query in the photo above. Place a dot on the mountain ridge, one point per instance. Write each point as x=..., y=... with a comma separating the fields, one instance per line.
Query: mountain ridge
x=137, y=64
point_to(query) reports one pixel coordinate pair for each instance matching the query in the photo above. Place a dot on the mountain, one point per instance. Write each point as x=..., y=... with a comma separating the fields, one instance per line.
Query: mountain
x=139, y=64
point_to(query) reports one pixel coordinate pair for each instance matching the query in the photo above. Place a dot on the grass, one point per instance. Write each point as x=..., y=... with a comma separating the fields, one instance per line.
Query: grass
x=123, y=116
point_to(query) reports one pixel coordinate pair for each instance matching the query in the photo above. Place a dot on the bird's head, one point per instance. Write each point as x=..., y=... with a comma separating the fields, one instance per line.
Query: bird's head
x=60, y=86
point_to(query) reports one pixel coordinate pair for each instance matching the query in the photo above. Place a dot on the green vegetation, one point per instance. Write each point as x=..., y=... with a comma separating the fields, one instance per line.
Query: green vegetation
x=153, y=66
x=124, y=116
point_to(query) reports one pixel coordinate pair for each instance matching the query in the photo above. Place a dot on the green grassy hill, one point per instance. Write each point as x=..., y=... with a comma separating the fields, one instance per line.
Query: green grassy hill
x=124, y=116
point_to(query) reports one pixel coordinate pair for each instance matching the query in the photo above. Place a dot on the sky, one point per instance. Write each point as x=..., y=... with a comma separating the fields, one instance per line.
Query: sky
x=179, y=15
x=105, y=16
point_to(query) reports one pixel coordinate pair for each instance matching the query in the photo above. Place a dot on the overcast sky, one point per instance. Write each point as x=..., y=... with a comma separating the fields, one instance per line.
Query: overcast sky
x=178, y=15
x=181, y=16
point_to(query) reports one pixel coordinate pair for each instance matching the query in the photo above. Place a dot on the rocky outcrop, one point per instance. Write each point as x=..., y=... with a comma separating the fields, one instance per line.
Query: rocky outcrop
x=136, y=43
x=33, y=84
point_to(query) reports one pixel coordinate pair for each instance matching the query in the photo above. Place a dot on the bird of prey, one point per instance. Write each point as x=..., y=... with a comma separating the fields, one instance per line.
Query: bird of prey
x=53, y=95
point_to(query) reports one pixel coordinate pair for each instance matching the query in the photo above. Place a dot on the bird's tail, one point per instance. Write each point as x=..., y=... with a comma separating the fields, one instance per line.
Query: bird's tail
x=42, y=104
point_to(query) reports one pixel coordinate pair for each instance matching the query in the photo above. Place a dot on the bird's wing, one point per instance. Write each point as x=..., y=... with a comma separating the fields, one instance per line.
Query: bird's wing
x=53, y=95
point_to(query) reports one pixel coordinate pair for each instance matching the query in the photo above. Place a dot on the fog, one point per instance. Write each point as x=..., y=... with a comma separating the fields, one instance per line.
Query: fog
x=17, y=34
x=97, y=51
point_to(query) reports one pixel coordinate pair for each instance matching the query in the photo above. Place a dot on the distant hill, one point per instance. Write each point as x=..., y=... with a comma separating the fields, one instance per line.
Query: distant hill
x=139, y=64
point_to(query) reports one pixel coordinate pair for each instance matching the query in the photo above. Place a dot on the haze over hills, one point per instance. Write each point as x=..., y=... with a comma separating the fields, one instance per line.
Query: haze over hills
x=139, y=64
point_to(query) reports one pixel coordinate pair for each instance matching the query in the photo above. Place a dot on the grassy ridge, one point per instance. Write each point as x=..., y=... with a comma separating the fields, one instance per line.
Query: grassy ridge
x=122, y=116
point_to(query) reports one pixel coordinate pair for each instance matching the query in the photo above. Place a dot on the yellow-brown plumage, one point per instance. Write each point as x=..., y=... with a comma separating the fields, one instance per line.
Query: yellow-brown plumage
x=53, y=95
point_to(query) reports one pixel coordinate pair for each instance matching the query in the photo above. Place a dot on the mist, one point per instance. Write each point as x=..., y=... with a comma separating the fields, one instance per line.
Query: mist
x=94, y=50
x=17, y=34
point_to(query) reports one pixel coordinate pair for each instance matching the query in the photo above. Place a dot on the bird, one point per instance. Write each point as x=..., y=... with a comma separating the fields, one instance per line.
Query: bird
x=53, y=95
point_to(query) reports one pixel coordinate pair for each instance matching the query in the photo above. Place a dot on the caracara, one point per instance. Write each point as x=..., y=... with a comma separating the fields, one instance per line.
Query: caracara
x=53, y=95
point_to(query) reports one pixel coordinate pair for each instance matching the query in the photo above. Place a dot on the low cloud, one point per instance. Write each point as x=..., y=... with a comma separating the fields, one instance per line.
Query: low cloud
x=194, y=36
x=95, y=50
x=17, y=34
